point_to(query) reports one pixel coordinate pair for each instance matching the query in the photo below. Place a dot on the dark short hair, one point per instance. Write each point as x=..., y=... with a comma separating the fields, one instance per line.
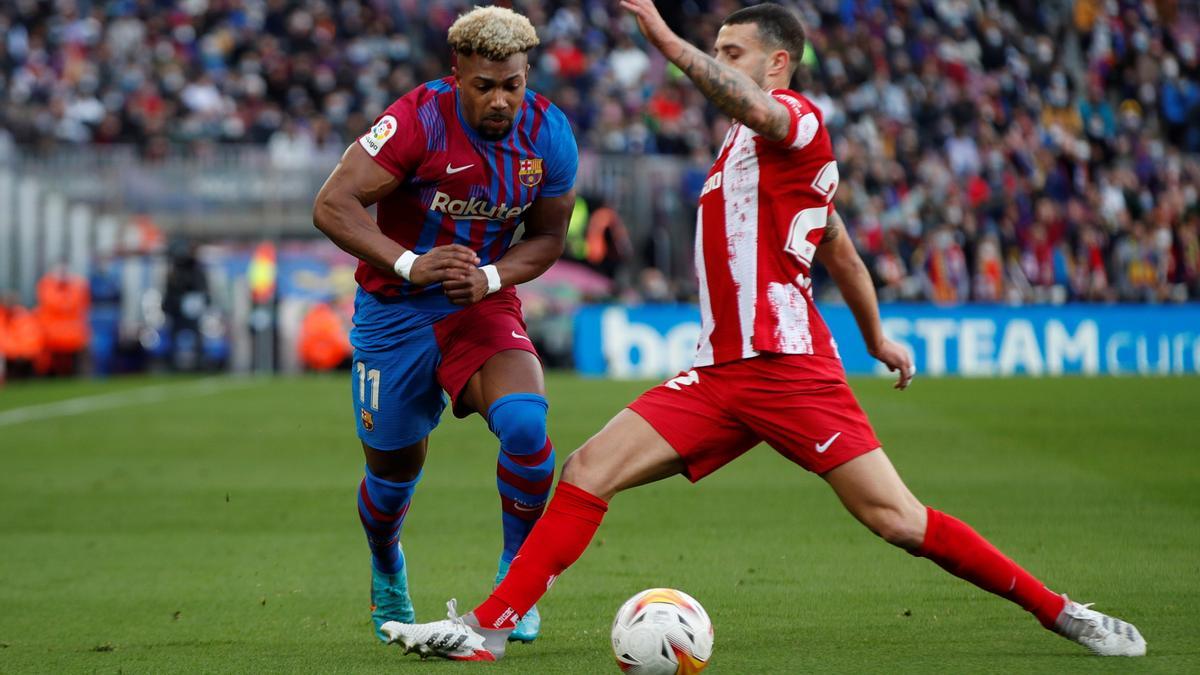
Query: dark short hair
x=778, y=28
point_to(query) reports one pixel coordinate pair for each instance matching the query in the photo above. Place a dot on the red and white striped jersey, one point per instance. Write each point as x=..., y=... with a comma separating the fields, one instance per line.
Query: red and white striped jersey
x=762, y=214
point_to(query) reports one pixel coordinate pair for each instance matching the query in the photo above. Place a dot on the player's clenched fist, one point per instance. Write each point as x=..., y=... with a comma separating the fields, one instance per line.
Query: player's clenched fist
x=468, y=289
x=442, y=263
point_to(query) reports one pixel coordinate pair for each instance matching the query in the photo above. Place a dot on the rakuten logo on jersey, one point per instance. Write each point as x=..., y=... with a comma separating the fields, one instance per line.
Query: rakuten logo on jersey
x=474, y=209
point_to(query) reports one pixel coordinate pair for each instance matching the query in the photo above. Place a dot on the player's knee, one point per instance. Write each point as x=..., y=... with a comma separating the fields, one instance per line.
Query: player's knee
x=397, y=466
x=579, y=470
x=571, y=469
x=519, y=421
x=898, y=525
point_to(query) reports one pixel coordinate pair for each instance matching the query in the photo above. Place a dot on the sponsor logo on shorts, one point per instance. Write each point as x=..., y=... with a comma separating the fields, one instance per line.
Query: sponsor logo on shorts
x=689, y=378
x=822, y=447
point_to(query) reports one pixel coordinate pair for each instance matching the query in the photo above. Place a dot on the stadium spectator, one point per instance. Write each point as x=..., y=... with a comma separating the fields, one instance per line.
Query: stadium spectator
x=597, y=236
x=958, y=116
x=324, y=341
x=63, y=301
x=292, y=146
x=184, y=303
x=21, y=341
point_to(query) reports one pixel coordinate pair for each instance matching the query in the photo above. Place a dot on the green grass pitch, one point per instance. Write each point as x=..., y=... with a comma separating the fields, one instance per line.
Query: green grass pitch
x=152, y=526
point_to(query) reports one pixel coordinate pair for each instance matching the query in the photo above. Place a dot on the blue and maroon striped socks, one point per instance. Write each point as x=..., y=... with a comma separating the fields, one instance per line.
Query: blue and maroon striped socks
x=524, y=484
x=525, y=466
x=382, y=506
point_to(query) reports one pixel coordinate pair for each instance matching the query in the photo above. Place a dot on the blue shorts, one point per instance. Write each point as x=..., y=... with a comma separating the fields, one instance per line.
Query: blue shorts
x=410, y=352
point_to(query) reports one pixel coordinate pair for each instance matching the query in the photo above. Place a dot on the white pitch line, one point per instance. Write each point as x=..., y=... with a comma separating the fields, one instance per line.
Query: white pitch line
x=121, y=399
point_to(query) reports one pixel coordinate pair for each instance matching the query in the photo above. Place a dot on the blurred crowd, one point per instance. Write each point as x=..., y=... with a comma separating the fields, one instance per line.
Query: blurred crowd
x=1020, y=155
x=1020, y=151
x=52, y=337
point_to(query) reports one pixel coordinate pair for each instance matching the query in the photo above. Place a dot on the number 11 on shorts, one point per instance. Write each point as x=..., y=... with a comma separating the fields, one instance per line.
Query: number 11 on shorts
x=364, y=377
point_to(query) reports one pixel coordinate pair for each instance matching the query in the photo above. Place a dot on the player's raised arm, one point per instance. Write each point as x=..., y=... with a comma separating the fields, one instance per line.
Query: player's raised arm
x=736, y=94
x=837, y=253
x=340, y=212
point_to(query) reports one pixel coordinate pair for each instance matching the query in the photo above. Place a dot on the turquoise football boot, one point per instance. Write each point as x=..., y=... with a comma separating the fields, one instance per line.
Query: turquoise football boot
x=530, y=625
x=389, y=598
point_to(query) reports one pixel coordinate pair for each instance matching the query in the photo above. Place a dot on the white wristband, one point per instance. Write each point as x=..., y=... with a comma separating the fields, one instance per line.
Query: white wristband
x=493, y=277
x=404, y=263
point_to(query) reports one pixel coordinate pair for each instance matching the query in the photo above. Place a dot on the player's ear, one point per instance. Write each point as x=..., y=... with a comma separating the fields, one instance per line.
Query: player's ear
x=780, y=61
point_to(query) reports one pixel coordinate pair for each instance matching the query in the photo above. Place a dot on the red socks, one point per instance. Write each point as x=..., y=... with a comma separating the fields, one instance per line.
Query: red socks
x=573, y=515
x=961, y=551
x=556, y=542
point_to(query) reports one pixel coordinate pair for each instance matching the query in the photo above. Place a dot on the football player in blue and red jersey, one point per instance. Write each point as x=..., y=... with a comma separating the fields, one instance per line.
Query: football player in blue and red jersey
x=454, y=167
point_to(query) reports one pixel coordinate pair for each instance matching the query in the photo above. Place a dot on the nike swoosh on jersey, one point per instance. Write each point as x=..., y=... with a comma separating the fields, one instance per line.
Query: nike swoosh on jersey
x=451, y=169
x=520, y=337
x=822, y=447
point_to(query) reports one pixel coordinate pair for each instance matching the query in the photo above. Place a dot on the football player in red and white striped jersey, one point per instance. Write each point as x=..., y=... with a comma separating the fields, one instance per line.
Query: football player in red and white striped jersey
x=767, y=369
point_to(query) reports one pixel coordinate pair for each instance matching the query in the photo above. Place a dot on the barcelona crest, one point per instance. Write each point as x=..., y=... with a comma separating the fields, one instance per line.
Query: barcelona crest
x=531, y=171
x=368, y=420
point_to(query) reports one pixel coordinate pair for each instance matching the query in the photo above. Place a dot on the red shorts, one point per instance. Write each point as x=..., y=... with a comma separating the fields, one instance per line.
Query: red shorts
x=799, y=405
x=468, y=338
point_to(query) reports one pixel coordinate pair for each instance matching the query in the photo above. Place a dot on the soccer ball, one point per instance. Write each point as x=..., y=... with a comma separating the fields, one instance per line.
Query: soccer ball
x=662, y=631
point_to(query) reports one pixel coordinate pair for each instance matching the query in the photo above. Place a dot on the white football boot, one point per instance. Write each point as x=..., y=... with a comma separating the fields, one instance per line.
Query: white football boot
x=458, y=638
x=1103, y=634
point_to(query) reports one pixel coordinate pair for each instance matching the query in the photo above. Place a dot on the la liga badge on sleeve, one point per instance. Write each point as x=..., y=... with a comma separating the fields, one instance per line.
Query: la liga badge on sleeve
x=379, y=134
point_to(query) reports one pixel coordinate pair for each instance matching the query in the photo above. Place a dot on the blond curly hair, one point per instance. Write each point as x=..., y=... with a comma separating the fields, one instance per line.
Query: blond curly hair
x=494, y=33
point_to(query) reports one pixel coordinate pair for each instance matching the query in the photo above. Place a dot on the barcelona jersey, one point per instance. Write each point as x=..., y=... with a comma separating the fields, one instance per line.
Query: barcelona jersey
x=456, y=187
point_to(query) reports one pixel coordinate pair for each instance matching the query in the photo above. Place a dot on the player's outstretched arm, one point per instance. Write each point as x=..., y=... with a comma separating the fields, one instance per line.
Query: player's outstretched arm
x=733, y=92
x=837, y=253
x=545, y=237
x=340, y=212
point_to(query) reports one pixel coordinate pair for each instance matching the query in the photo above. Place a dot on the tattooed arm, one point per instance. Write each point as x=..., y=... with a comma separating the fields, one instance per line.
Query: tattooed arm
x=730, y=90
